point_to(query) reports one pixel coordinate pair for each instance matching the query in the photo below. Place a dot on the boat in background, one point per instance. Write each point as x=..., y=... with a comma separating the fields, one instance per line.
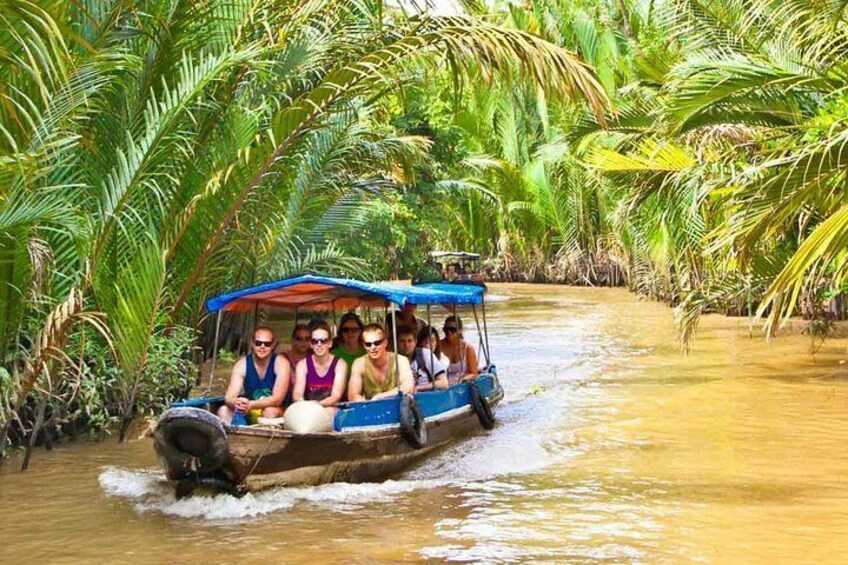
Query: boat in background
x=370, y=440
x=459, y=267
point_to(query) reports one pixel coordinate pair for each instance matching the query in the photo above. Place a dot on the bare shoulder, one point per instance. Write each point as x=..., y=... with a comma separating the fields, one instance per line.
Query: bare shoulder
x=281, y=363
x=403, y=361
x=358, y=364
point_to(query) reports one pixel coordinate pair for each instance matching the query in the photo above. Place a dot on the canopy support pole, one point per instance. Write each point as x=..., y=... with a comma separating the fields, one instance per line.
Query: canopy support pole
x=335, y=324
x=480, y=344
x=214, y=352
x=255, y=318
x=394, y=346
x=485, y=329
x=430, y=347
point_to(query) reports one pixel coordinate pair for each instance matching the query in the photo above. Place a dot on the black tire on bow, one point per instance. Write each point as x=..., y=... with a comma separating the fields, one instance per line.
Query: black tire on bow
x=186, y=487
x=191, y=441
x=413, y=428
x=481, y=407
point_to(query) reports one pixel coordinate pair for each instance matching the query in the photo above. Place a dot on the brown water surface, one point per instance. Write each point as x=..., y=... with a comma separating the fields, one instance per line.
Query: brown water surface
x=611, y=447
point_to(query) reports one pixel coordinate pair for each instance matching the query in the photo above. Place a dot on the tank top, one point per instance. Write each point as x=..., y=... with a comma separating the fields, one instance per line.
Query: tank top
x=370, y=386
x=319, y=387
x=458, y=369
x=256, y=387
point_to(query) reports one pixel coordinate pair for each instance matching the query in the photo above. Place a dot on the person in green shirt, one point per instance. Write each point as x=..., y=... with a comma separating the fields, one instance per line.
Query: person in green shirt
x=349, y=340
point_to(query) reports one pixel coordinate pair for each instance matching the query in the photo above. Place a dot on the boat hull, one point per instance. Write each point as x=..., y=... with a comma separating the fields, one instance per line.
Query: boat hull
x=368, y=447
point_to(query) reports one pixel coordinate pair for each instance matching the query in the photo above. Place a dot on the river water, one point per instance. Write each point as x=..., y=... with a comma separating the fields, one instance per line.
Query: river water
x=611, y=446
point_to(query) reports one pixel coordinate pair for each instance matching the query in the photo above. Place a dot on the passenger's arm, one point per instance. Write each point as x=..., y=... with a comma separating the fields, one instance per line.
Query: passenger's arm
x=441, y=381
x=406, y=380
x=435, y=368
x=471, y=368
x=354, y=387
x=231, y=397
x=299, y=380
x=281, y=386
x=339, y=382
x=421, y=388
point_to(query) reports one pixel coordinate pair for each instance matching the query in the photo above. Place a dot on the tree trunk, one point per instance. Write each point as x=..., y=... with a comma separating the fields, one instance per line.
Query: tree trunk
x=39, y=420
x=4, y=436
x=126, y=419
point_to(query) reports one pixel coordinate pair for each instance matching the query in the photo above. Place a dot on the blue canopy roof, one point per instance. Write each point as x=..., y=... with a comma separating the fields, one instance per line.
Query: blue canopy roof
x=324, y=293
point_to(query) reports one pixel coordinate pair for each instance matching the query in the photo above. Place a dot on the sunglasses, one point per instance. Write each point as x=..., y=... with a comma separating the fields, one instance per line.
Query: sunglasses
x=301, y=338
x=449, y=330
x=375, y=343
x=350, y=330
x=261, y=343
x=319, y=340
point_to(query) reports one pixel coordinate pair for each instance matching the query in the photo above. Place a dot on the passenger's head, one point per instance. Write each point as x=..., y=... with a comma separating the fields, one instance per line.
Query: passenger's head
x=319, y=337
x=374, y=340
x=408, y=309
x=452, y=329
x=300, y=339
x=406, y=340
x=264, y=342
x=428, y=338
x=350, y=329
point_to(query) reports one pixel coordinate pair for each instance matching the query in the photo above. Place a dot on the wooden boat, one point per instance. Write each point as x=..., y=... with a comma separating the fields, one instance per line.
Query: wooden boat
x=459, y=267
x=370, y=441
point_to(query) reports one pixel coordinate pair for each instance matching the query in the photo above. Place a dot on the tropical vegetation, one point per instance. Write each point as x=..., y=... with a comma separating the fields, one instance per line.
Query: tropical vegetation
x=156, y=152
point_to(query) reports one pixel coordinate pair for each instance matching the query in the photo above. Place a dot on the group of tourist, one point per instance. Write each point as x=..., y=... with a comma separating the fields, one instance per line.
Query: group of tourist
x=358, y=365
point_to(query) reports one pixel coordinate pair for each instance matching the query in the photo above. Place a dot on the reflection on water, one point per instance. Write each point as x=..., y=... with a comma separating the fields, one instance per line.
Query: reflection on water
x=611, y=447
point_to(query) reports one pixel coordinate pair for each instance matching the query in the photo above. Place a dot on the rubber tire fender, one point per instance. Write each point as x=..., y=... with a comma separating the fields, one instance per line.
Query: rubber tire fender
x=481, y=406
x=413, y=428
x=186, y=487
x=186, y=434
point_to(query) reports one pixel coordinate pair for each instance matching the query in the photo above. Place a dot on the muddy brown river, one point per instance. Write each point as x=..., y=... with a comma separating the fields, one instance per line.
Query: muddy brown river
x=611, y=447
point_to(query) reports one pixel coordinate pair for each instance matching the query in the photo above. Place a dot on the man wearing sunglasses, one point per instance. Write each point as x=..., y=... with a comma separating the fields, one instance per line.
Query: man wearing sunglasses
x=259, y=381
x=379, y=374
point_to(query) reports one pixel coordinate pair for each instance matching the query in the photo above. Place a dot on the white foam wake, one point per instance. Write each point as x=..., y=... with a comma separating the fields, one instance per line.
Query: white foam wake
x=151, y=493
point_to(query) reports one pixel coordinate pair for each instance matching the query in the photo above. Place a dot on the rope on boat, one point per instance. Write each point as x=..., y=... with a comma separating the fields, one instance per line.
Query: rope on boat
x=264, y=451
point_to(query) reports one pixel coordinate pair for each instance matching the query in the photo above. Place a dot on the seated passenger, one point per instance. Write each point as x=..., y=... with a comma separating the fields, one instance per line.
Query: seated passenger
x=450, y=274
x=320, y=376
x=426, y=368
x=434, y=343
x=462, y=357
x=349, y=341
x=379, y=374
x=263, y=375
x=299, y=345
x=405, y=317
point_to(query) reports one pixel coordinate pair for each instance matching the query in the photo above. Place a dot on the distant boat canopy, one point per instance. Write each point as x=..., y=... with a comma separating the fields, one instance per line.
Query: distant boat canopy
x=310, y=292
x=457, y=255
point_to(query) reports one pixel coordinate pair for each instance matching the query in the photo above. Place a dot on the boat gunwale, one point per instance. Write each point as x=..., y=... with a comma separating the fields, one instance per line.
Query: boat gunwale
x=383, y=431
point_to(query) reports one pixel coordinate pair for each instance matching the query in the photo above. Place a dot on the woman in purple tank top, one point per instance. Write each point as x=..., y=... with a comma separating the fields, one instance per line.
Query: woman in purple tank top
x=320, y=376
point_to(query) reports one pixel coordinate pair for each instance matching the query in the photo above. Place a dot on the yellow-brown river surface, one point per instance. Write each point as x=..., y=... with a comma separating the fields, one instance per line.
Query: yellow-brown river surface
x=611, y=446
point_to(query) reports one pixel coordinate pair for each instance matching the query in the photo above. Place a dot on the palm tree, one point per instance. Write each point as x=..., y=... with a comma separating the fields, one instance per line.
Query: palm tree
x=146, y=144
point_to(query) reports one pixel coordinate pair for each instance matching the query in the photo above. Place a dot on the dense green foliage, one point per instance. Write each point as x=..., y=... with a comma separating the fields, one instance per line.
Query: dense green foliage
x=158, y=151
x=154, y=153
x=717, y=183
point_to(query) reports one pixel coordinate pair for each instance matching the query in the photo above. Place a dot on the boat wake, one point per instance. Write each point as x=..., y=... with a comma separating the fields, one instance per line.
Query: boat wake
x=150, y=492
